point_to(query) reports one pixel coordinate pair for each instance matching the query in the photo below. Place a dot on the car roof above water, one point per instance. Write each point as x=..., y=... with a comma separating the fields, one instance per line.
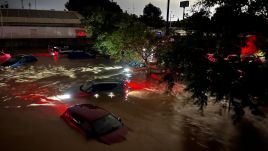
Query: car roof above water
x=88, y=112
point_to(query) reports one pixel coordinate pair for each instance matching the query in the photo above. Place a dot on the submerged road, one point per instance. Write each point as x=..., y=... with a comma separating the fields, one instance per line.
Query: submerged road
x=30, y=117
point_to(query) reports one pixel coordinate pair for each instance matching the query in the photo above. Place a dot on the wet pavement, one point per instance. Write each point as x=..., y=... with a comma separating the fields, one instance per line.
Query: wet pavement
x=30, y=114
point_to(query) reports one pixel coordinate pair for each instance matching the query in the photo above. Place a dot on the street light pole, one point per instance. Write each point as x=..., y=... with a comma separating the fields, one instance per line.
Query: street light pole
x=167, y=27
x=171, y=16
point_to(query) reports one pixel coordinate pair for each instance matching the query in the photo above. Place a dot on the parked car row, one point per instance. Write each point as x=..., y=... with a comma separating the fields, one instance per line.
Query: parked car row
x=92, y=121
x=73, y=53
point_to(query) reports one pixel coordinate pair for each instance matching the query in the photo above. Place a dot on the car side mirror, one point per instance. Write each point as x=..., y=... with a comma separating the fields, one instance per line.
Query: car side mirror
x=119, y=119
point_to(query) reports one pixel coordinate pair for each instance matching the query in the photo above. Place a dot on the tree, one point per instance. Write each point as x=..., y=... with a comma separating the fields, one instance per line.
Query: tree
x=125, y=43
x=152, y=16
x=240, y=16
x=241, y=81
x=238, y=5
x=199, y=21
x=117, y=34
x=86, y=7
x=100, y=21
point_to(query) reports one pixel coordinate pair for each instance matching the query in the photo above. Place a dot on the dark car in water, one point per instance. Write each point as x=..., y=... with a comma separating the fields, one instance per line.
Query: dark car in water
x=19, y=60
x=111, y=88
x=96, y=122
x=81, y=55
x=135, y=66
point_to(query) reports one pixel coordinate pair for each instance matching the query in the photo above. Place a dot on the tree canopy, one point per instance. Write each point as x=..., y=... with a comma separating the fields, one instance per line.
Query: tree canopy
x=253, y=7
x=212, y=57
x=119, y=35
x=126, y=42
x=152, y=16
x=86, y=7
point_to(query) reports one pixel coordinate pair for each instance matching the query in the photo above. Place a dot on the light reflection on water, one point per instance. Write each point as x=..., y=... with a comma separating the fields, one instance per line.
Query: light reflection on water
x=32, y=73
x=36, y=83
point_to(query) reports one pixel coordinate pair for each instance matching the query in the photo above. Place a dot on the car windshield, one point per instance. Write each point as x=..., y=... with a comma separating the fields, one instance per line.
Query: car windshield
x=86, y=86
x=103, y=87
x=106, y=124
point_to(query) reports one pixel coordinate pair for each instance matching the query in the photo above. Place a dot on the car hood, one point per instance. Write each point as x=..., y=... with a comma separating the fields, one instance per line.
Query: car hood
x=75, y=91
x=116, y=136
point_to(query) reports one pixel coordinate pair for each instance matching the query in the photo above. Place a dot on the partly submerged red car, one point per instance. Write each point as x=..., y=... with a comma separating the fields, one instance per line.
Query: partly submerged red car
x=4, y=57
x=94, y=121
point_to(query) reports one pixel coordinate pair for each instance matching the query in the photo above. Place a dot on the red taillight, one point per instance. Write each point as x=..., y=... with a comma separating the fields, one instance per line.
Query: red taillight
x=80, y=33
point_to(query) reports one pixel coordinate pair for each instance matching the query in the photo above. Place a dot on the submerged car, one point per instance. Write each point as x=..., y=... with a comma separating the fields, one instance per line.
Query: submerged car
x=81, y=55
x=4, y=57
x=98, y=88
x=19, y=60
x=96, y=122
x=134, y=66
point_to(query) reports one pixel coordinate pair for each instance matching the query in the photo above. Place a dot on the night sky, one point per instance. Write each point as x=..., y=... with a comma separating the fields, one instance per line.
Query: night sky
x=131, y=6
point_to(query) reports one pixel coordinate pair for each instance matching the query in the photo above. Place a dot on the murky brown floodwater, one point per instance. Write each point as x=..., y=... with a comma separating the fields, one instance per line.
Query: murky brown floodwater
x=30, y=118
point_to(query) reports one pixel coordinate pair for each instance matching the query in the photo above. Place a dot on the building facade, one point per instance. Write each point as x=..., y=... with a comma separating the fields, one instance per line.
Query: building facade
x=20, y=27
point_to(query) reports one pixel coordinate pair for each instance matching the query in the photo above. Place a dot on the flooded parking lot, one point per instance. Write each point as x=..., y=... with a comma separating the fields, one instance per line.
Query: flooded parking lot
x=30, y=114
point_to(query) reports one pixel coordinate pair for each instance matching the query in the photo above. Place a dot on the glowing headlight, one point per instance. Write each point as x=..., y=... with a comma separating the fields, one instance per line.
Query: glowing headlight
x=64, y=96
x=128, y=75
x=96, y=96
x=111, y=95
x=127, y=70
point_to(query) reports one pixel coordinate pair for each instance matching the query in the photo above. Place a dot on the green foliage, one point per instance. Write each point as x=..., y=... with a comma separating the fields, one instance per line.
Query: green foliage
x=243, y=82
x=126, y=42
x=187, y=55
x=100, y=21
x=117, y=34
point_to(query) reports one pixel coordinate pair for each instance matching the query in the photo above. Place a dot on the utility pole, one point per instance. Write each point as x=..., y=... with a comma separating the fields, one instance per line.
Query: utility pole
x=167, y=24
x=22, y=6
x=171, y=16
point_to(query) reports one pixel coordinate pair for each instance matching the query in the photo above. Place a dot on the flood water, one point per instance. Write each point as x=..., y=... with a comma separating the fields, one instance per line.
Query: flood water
x=30, y=117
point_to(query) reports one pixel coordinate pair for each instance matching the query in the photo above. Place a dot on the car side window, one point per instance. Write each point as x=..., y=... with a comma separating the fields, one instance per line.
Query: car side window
x=23, y=59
